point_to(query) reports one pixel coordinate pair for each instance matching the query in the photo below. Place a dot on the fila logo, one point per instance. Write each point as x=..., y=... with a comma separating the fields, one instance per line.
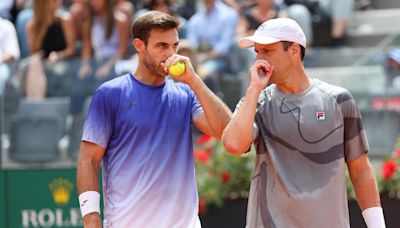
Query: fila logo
x=320, y=115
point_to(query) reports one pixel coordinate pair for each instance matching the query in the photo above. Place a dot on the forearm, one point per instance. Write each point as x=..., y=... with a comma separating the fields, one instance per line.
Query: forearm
x=7, y=58
x=237, y=136
x=87, y=176
x=67, y=53
x=365, y=187
x=217, y=113
x=87, y=180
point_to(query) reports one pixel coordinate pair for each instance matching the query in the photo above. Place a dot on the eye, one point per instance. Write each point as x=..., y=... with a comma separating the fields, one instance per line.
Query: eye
x=162, y=45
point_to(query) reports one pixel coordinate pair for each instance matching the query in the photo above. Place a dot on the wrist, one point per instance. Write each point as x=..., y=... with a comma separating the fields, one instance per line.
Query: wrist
x=89, y=202
x=373, y=217
x=60, y=55
x=253, y=90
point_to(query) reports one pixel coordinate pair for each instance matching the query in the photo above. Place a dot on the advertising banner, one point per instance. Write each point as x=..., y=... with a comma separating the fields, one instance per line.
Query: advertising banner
x=42, y=198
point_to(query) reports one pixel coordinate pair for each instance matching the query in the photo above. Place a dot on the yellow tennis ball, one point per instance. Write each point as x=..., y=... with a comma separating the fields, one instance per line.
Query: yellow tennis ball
x=177, y=69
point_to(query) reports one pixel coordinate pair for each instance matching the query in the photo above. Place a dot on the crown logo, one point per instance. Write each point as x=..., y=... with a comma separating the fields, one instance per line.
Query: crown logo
x=61, y=190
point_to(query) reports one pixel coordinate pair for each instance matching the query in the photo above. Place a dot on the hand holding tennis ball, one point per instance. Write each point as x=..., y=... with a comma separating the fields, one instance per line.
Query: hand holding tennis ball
x=177, y=69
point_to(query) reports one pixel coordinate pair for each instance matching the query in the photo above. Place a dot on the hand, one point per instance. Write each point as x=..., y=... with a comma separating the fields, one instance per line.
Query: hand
x=260, y=73
x=54, y=57
x=92, y=220
x=84, y=71
x=103, y=71
x=188, y=74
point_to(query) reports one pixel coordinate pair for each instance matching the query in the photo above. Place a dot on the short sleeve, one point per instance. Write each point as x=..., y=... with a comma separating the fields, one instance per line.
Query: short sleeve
x=99, y=121
x=196, y=107
x=355, y=139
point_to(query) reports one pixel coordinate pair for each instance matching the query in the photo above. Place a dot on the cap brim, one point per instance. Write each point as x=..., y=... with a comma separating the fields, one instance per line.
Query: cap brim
x=251, y=40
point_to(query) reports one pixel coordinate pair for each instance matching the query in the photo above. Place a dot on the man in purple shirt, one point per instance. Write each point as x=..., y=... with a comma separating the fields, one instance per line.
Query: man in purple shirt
x=139, y=126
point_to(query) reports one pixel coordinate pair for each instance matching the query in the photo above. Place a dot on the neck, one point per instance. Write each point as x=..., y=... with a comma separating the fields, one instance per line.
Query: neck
x=296, y=82
x=209, y=7
x=145, y=76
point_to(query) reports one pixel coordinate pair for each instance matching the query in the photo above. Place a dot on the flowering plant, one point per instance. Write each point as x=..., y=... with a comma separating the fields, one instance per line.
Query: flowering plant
x=219, y=174
x=389, y=182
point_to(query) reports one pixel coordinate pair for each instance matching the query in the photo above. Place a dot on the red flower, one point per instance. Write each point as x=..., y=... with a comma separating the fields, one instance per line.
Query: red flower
x=209, y=150
x=203, y=139
x=202, y=207
x=201, y=156
x=225, y=176
x=396, y=153
x=388, y=169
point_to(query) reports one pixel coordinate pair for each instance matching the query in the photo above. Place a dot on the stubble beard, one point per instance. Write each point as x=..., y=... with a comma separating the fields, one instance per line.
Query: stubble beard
x=153, y=67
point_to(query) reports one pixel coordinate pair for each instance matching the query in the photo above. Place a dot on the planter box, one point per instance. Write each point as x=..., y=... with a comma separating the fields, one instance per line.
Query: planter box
x=232, y=214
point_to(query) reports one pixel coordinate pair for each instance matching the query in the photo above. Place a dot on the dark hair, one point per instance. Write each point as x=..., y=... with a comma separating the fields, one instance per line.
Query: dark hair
x=109, y=20
x=287, y=44
x=143, y=25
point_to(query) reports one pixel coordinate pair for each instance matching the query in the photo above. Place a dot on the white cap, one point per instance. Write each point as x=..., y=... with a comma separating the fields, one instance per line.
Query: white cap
x=395, y=55
x=275, y=30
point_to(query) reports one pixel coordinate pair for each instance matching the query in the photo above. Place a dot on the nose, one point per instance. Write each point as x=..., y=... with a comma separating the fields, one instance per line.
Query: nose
x=258, y=56
x=172, y=50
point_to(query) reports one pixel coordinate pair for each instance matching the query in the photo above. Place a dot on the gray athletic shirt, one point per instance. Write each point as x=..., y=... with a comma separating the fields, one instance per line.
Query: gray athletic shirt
x=302, y=143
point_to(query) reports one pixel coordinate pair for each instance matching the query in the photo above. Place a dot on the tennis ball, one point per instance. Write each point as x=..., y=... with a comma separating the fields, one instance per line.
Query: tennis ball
x=177, y=69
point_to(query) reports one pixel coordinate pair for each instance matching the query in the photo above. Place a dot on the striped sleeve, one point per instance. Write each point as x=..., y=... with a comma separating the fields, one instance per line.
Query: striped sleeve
x=355, y=139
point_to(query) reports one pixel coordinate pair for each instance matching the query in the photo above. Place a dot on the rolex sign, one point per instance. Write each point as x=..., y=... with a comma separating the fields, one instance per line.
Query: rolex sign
x=42, y=198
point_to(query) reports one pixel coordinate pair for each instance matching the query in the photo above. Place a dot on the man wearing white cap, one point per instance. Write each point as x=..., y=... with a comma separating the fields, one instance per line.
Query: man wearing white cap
x=393, y=68
x=304, y=131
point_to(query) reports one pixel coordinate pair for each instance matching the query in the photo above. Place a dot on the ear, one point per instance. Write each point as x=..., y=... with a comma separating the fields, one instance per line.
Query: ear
x=295, y=49
x=139, y=44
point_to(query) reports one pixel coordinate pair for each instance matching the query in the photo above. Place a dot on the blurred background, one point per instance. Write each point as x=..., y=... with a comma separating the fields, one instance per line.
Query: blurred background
x=54, y=53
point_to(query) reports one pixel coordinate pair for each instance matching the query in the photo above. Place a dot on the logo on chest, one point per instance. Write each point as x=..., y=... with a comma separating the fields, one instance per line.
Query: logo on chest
x=320, y=115
x=131, y=104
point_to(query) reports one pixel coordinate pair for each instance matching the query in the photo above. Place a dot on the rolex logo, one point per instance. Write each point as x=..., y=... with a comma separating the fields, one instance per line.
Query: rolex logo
x=61, y=190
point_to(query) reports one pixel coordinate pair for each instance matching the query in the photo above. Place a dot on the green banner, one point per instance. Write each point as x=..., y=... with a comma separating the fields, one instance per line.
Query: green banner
x=42, y=198
x=2, y=200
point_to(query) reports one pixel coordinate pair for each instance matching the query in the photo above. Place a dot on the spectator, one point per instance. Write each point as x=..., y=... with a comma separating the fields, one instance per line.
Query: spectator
x=5, y=9
x=393, y=68
x=23, y=17
x=339, y=11
x=109, y=35
x=253, y=17
x=165, y=6
x=213, y=42
x=126, y=7
x=240, y=5
x=9, y=50
x=51, y=36
x=81, y=13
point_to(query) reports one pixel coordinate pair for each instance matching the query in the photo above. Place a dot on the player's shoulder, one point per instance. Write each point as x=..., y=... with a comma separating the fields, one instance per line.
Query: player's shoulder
x=114, y=85
x=178, y=85
x=338, y=93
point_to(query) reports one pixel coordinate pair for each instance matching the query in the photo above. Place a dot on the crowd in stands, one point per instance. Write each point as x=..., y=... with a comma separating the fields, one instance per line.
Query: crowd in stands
x=68, y=47
x=53, y=33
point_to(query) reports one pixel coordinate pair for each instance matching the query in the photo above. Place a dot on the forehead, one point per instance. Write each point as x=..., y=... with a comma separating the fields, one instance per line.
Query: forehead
x=169, y=36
